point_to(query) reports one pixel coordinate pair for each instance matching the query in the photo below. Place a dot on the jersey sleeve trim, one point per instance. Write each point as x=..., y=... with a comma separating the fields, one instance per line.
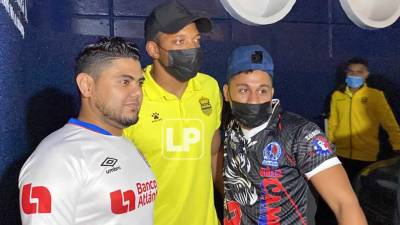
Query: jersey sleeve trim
x=323, y=166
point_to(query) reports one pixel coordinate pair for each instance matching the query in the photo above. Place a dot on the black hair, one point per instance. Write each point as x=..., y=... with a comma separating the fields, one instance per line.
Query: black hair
x=357, y=60
x=94, y=56
x=247, y=72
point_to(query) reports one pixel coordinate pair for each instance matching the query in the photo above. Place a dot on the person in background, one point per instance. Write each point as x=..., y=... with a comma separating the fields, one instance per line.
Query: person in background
x=178, y=131
x=356, y=114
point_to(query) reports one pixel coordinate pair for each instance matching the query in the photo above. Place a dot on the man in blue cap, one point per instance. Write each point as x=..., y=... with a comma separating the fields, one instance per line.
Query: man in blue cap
x=270, y=155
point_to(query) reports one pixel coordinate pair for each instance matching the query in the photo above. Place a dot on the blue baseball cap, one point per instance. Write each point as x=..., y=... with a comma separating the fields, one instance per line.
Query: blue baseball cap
x=250, y=57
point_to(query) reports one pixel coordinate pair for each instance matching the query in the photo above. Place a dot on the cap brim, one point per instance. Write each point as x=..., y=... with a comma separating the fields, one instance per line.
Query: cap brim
x=203, y=24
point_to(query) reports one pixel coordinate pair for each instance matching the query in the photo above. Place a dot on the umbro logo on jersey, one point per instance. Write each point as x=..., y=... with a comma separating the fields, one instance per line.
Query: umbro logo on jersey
x=35, y=199
x=110, y=162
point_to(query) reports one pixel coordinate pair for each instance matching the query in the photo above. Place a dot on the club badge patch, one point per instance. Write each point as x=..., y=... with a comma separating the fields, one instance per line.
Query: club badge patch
x=205, y=105
x=364, y=100
x=321, y=145
x=272, y=152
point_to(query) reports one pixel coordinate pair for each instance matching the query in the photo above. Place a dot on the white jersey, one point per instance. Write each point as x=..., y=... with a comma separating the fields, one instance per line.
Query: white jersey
x=78, y=175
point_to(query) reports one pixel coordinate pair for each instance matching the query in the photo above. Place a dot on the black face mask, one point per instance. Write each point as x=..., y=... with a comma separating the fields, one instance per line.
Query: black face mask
x=251, y=115
x=184, y=64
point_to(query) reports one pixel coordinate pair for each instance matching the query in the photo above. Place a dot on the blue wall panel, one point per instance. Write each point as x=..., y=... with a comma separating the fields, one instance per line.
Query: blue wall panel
x=38, y=94
x=309, y=12
x=91, y=26
x=143, y=7
x=131, y=28
x=351, y=40
x=338, y=14
x=133, y=8
x=91, y=7
x=12, y=96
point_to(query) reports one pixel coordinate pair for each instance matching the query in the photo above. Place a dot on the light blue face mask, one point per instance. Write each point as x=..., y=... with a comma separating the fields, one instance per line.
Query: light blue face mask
x=354, y=81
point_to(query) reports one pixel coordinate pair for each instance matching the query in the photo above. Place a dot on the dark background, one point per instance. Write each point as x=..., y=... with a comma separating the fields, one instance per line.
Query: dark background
x=37, y=92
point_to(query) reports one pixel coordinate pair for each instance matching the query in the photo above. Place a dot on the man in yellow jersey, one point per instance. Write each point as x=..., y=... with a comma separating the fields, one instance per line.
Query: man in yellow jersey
x=356, y=113
x=178, y=129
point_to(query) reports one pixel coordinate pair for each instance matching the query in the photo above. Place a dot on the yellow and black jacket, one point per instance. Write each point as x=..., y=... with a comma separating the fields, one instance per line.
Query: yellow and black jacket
x=354, y=122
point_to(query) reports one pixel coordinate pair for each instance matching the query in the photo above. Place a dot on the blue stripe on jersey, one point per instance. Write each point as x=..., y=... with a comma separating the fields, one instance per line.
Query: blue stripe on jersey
x=88, y=126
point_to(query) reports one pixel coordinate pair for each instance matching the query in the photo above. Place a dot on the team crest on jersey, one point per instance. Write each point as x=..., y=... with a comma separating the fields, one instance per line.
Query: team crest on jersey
x=205, y=105
x=272, y=152
x=321, y=145
x=364, y=100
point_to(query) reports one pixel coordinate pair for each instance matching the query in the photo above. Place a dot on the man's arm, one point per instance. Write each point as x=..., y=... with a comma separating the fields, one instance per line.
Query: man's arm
x=332, y=120
x=334, y=187
x=49, y=188
x=389, y=123
x=316, y=160
x=217, y=161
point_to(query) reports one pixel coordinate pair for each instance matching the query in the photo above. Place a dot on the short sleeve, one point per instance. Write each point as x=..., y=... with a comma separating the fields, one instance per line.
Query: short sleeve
x=218, y=105
x=219, y=111
x=312, y=148
x=49, y=186
x=333, y=117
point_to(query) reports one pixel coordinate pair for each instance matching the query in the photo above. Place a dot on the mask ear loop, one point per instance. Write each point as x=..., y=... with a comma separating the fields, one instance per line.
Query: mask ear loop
x=165, y=50
x=276, y=103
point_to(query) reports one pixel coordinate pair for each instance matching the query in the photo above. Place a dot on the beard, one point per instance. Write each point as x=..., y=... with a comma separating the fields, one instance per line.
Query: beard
x=116, y=117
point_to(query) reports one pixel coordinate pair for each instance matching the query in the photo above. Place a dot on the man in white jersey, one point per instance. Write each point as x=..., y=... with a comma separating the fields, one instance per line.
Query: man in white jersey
x=86, y=172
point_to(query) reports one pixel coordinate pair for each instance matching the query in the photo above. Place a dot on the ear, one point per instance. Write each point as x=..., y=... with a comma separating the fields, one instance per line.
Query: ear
x=152, y=49
x=85, y=84
x=367, y=75
x=272, y=93
x=226, y=93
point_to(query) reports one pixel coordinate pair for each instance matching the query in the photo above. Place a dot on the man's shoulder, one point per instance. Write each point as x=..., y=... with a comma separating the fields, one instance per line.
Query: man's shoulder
x=295, y=123
x=294, y=118
x=54, y=151
x=374, y=91
x=66, y=141
x=207, y=81
x=338, y=93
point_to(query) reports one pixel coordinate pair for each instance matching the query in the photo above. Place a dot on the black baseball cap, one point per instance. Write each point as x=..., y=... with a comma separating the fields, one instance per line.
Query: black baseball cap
x=171, y=17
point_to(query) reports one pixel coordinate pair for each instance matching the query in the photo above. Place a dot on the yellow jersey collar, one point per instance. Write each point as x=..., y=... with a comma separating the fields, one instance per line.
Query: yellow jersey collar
x=154, y=91
x=348, y=92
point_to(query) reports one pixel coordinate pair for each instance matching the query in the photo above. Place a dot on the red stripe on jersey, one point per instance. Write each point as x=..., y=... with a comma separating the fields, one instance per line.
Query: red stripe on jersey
x=295, y=206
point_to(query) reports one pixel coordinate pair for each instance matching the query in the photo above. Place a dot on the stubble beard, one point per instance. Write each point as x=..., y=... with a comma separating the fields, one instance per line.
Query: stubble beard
x=114, y=118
